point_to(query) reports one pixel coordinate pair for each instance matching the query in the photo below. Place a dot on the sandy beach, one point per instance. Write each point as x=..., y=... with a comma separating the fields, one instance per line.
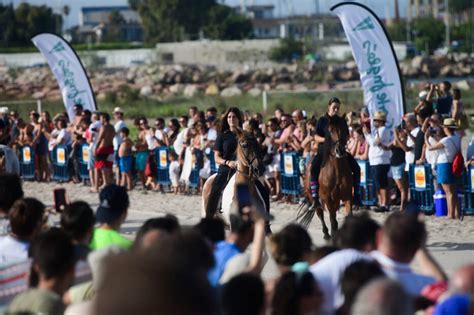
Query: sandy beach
x=450, y=241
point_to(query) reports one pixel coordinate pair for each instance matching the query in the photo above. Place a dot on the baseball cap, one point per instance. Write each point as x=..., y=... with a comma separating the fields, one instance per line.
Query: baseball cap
x=118, y=110
x=113, y=202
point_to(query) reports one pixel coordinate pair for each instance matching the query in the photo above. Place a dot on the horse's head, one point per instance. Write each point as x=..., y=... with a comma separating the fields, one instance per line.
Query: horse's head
x=336, y=135
x=248, y=153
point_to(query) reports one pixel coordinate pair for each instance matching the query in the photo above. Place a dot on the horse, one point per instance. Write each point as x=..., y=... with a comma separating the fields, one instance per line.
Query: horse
x=335, y=181
x=247, y=172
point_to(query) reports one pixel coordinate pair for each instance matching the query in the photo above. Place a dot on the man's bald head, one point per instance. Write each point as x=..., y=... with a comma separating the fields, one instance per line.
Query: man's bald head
x=463, y=279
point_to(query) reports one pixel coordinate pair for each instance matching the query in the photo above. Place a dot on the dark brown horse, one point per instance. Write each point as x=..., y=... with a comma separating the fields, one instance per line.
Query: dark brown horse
x=335, y=181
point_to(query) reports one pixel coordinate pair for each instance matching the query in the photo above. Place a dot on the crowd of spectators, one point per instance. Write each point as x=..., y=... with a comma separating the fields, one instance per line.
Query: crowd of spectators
x=169, y=268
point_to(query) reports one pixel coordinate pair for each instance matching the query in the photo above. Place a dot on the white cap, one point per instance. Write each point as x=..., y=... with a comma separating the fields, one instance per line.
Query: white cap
x=118, y=110
x=4, y=110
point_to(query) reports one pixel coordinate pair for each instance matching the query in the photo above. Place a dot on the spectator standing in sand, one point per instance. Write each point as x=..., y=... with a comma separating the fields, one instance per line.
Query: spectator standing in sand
x=174, y=172
x=104, y=154
x=125, y=159
x=119, y=125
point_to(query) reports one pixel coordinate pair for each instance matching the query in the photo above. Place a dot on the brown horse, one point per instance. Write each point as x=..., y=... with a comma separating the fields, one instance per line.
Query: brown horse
x=335, y=181
x=247, y=173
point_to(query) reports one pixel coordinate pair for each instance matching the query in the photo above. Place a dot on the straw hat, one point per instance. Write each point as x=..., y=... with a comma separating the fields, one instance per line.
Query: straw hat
x=450, y=123
x=380, y=116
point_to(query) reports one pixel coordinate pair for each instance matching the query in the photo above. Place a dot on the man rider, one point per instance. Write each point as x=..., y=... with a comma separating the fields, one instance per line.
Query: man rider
x=320, y=137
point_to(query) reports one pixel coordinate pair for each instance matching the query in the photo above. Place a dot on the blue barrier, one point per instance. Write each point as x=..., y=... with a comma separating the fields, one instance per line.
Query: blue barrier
x=468, y=191
x=197, y=162
x=83, y=156
x=421, y=187
x=290, y=173
x=368, y=194
x=27, y=162
x=162, y=165
x=60, y=158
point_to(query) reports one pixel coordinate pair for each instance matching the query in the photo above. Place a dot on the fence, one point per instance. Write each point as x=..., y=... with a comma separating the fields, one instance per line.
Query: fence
x=60, y=158
x=290, y=174
x=83, y=157
x=163, y=166
x=27, y=162
x=421, y=187
x=367, y=187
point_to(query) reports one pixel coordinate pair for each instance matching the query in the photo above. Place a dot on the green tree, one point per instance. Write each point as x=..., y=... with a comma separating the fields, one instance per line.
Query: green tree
x=429, y=33
x=114, y=27
x=287, y=50
x=397, y=31
x=225, y=24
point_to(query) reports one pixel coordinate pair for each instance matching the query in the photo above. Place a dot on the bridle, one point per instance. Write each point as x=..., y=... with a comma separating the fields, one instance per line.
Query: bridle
x=253, y=172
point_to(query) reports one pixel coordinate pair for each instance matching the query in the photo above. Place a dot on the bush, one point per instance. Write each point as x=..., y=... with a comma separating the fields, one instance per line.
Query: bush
x=289, y=49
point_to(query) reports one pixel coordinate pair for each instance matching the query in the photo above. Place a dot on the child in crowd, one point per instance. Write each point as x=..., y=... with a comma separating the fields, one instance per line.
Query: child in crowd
x=174, y=172
x=126, y=160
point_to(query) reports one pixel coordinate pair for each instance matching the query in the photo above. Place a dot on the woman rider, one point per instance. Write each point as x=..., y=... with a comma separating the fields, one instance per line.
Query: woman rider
x=226, y=157
x=320, y=137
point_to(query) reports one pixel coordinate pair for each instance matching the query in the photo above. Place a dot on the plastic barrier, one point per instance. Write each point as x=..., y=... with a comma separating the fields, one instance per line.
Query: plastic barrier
x=83, y=156
x=163, y=166
x=60, y=157
x=290, y=174
x=197, y=162
x=421, y=187
x=468, y=191
x=367, y=188
x=27, y=162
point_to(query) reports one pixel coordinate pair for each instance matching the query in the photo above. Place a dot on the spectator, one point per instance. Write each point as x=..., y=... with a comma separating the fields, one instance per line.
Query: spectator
x=403, y=236
x=77, y=221
x=119, y=125
x=296, y=293
x=52, y=273
x=382, y=296
x=379, y=157
x=457, y=113
x=173, y=127
x=212, y=229
x=463, y=279
x=155, y=229
x=397, y=165
x=26, y=221
x=10, y=191
x=447, y=148
x=243, y=294
x=161, y=137
x=111, y=213
x=272, y=158
x=104, y=153
x=144, y=143
x=444, y=100
x=125, y=159
x=64, y=136
x=412, y=130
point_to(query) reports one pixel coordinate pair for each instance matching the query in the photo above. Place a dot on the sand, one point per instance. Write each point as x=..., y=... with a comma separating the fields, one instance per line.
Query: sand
x=450, y=241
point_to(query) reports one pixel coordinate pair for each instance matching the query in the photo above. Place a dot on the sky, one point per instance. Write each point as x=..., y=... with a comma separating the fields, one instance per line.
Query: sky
x=380, y=7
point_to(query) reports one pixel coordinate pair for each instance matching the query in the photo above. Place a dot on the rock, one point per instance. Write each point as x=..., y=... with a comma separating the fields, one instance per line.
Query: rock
x=444, y=71
x=283, y=87
x=231, y=91
x=176, y=89
x=255, y=92
x=38, y=95
x=463, y=85
x=212, y=90
x=417, y=61
x=238, y=77
x=300, y=88
x=146, y=90
x=190, y=91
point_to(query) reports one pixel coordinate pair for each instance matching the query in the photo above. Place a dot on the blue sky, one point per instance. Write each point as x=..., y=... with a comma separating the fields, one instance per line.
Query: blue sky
x=299, y=6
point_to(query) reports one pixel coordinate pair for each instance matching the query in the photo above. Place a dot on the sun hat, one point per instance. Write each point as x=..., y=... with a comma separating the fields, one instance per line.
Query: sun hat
x=118, y=110
x=113, y=202
x=450, y=123
x=380, y=116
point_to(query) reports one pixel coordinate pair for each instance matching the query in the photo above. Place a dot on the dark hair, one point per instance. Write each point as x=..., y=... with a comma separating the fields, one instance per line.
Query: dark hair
x=10, y=190
x=175, y=123
x=53, y=256
x=290, y=244
x=356, y=276
x=125, y=130
x=161, y=120
x=357, y=232
x=289, y=290
x=243, y=294
x=405, y=234
x=211, y=228
x=334, y=100
x=77, y=219
x=184, y=117
x=87, y=112
x=106, y=116
x=224, y=124
x=456, y=94
x=168, y=223
x=447, y=84
x=323, y=251
x=173, y=155
x=26, y=216
x=212, y=109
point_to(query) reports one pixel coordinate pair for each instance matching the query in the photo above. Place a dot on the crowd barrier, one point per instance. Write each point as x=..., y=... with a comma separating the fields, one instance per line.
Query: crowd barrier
x=420, y=184
x=27, y=162
x=368, y=195
x=290, y=173
x=60, y=159
x=468, y=191
x=162, y=165
x=83, y=156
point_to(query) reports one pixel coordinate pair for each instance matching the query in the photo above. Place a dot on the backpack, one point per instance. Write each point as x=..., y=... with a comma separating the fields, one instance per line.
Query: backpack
x=458, y=163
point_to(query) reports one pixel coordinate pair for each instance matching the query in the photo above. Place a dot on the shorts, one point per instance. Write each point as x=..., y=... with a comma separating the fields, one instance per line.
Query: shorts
x=125, y=164
x=398, y=171
x=116, y=158
x=104, y=157
x=444, y=173
x=380, y=175
x=140, y=160
x=275, y=165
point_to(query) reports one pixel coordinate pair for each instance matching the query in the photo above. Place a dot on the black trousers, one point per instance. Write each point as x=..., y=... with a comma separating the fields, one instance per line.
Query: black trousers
x=316, y=169
x=224, y=173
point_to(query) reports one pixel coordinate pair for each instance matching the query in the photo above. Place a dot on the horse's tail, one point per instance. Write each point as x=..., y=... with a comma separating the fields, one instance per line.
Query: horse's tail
x=304, y=216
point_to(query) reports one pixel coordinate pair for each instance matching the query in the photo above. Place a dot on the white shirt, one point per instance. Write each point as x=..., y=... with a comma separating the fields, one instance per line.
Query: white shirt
x=432, y=155
x=117, y=139
x=377, y=155
x=328, y=273
x=12, y=250
x=452, y=145
x=470, y=149
x=410, y=155
x=212, y=134
x=412, y=282
x=65, y=135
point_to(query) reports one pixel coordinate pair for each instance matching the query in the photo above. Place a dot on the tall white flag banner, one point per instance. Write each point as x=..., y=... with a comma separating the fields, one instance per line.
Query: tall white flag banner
x=68, y=70
x=376, y=60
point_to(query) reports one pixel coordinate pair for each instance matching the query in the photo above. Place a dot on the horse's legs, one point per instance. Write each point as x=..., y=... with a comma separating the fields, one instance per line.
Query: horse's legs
x=333, y=219
x=348, y=207
x=320, y=212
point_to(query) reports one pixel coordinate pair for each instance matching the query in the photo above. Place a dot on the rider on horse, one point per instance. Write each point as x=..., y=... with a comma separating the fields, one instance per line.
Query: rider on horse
x=320, y=137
